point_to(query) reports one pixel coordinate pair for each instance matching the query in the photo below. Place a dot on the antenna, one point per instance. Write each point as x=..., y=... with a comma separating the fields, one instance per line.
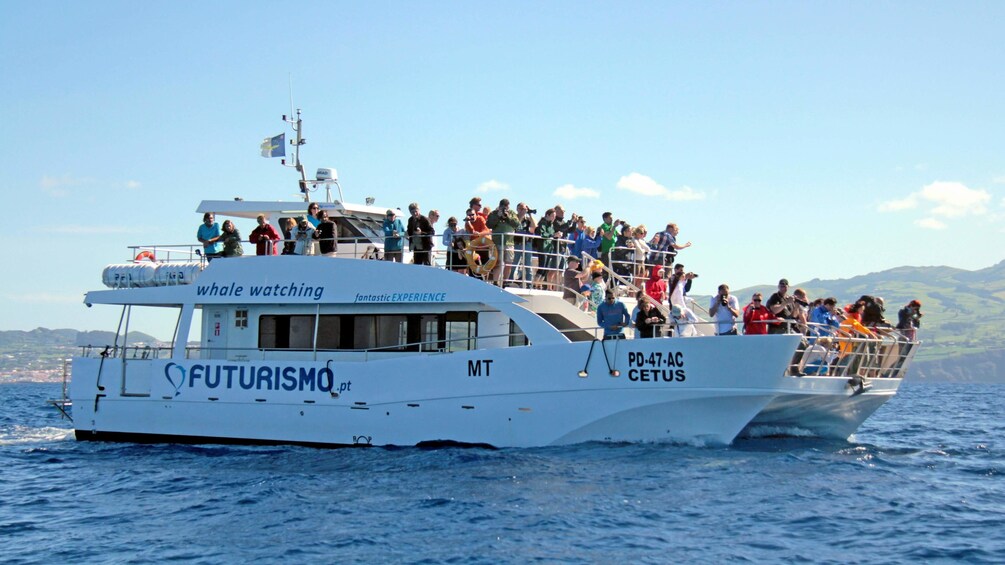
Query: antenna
x=297, y=125
x=291, y=94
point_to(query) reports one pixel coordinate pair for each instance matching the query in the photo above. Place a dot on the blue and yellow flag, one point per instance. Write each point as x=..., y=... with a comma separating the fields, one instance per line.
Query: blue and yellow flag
x=274, y=146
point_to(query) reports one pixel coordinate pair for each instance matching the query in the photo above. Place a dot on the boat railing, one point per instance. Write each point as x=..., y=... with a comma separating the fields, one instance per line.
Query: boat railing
x=140, y=352
x=165, y=253
x=826, y=351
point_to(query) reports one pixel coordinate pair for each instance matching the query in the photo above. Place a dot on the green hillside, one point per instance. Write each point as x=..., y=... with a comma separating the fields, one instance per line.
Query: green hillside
x=963, y=310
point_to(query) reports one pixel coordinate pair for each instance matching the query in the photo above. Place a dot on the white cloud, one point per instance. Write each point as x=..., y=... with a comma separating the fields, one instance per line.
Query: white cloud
x=133, y=184
x=570, y=192
x=58, y=185
x=492, y=186
x=943, y=199
x=898, y=205
x=953, y=199
x=930, y=224
x=647, y=186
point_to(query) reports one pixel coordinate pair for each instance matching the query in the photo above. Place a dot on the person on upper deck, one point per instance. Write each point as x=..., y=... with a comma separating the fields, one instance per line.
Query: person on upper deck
x=434, y=216
x=209, y=235
x=475, y=224
x=303, y=237
x=325, y=234
x=649, y=320
x=656, y=286
x=265, y=237
x=453, y=241
x=572, y=280
x=598, y=289
x=607, y=234
x=756, y=317
x=826, y=318
x=289, y=227
x=782, y=305
x=420, y=235
x=503, y=222
x=621, y=256
x=872, y=313
x=231, y=239
x=547, y=262
x=725, y=308
x=909, y=319
x=312, y=214
x=800, y=310
x=642, y=250
x=523, y=262
x=394, y=236
x=612, y=316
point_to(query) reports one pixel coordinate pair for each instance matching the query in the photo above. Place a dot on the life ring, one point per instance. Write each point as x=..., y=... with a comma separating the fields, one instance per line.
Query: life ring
x=145, y=255
x=470, y=252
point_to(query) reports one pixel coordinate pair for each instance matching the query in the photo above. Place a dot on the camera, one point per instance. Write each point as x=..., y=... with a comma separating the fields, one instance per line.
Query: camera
x=532, y=210
x=724, y=300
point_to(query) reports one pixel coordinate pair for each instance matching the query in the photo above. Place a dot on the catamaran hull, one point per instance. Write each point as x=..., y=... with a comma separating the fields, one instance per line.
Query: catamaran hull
x=827, y=407
x=657, y=390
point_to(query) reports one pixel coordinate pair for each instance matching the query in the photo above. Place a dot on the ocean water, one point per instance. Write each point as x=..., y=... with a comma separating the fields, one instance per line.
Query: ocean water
x=922, y=481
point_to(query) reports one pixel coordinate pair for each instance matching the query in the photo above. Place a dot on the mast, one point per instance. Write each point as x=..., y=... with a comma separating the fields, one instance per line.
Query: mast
x=297, y=125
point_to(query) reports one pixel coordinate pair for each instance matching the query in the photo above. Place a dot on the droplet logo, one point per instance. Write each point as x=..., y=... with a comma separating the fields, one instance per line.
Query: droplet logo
x=176, y=377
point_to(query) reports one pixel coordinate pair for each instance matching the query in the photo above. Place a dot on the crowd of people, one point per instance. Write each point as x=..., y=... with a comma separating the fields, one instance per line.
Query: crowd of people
x=510, y=246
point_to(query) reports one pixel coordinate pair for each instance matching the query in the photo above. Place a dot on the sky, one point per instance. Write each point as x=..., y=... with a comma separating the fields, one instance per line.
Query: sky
x=786, y=139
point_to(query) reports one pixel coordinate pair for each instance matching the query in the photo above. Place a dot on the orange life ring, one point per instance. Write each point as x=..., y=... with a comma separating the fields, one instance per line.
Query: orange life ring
x=145, y=255
x=470, y=252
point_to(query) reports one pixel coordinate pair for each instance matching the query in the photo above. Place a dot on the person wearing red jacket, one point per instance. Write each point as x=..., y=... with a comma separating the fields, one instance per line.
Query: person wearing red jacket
x=656, y=286
x=756, y=316
x=265, y=237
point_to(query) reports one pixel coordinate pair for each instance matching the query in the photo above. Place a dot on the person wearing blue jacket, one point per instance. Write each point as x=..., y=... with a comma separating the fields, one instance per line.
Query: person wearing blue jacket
x=613, y=316
x=394, y=237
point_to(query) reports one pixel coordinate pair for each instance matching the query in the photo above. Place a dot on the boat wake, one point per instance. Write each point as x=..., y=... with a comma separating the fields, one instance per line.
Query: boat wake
x=777, y=431
x=19, y=435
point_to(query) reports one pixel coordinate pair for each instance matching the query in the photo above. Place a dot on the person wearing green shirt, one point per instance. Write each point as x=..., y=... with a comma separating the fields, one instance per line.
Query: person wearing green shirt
x=607, y=237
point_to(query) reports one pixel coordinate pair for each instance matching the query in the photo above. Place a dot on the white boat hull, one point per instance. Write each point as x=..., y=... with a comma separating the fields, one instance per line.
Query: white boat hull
x=827, y=407
x=699, y=390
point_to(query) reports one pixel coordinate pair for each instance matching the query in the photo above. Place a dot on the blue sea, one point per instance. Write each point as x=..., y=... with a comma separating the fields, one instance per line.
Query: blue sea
x=921, y=481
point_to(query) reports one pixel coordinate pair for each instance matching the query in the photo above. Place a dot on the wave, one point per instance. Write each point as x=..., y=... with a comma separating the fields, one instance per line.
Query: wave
x=19, y=435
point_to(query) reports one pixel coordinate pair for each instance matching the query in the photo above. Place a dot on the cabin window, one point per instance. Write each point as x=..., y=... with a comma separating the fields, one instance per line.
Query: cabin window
x=429, y=336
x=330, y=332
x=240, y=318
x=460, y=330
x=452, y=331
x=516, y=335
x=286, y=332
x=388, y=333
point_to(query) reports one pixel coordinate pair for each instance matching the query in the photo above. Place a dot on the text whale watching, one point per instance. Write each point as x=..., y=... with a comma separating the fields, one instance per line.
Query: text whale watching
x=341, y=324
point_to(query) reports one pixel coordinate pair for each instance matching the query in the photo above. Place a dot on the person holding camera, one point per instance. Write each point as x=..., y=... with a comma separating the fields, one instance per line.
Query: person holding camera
x=725, y=308
x=756, y=317
x=503, y=222
x=783, y=307
x=680, y=282
x=420, y=235
x=303, y=237
x=649, y=320
x=826, y=318
x=909, y=319
x=524, y=244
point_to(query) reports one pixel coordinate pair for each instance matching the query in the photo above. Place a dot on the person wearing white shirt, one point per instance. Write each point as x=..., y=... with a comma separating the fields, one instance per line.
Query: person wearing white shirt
x=725, y=308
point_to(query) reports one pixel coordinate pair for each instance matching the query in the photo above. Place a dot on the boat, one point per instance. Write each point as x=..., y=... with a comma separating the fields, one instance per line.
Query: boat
x=354, y=351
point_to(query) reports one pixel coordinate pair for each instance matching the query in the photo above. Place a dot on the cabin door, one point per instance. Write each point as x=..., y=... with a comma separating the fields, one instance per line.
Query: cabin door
x=215, y=331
